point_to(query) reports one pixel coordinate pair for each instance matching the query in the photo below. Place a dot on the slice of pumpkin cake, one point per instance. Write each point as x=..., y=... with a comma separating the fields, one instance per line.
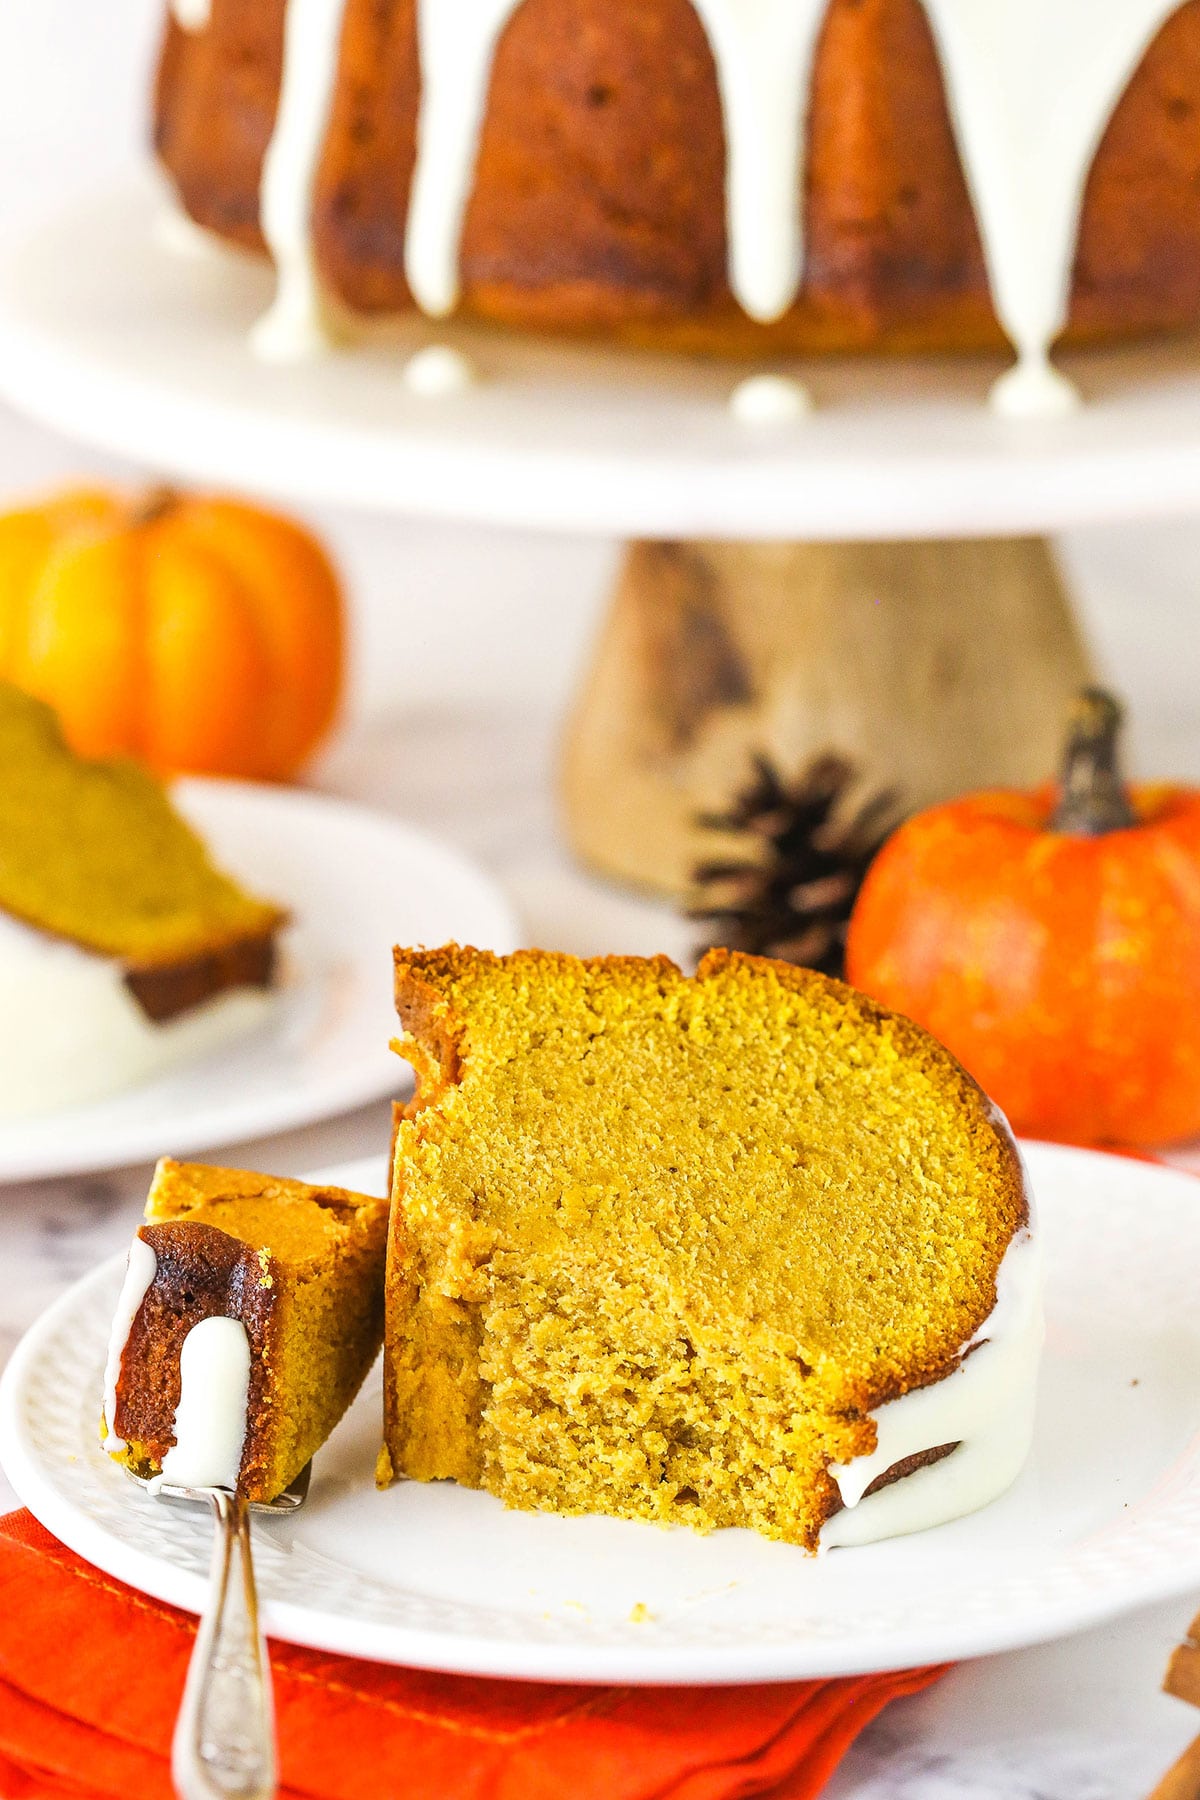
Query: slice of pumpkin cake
x=251, y=1311
x=741, y=1249
x=123, y=948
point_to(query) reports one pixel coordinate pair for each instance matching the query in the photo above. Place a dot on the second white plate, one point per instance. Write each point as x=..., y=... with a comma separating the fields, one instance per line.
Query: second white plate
x=356, y=882
x=1105, y=1517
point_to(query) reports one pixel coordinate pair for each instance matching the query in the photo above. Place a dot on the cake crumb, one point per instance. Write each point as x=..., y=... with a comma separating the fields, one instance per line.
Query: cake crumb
x=266, y=1279
x=641, y=1614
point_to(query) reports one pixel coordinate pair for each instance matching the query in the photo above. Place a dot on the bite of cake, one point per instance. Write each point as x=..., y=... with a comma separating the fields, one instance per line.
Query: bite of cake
x=124, y=950
x=736, y=1250
x=250, y=1314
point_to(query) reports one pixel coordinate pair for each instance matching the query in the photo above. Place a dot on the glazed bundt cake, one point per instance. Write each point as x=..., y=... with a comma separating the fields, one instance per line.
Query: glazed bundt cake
x=735, y=1250
x=251, y=1311
x=795, y=175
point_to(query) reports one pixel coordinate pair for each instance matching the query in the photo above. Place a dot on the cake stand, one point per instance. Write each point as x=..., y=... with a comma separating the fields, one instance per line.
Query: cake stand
x=871, y=576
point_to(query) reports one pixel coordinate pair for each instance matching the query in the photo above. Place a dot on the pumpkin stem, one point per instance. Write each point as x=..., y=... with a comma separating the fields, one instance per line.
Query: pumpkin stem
x=1093, y=797
x=154, y=505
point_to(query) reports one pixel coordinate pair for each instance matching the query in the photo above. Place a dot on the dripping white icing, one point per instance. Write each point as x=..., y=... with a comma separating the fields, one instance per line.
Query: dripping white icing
x=763, y=51
x=140, y=1271
x=457, y=41
x=438, y=370
x=210, y=1420
x=986, y=1406
x=1031, y=88
x=769, y=400
x=295, y=327
x=193, y=15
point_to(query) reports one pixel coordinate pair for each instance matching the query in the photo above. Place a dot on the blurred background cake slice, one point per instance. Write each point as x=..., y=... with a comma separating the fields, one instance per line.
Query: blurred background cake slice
x=252, y=1310
x=123, y=948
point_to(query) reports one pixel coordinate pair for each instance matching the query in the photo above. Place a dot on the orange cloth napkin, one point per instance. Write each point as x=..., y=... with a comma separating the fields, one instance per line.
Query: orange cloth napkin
x=91, y=1674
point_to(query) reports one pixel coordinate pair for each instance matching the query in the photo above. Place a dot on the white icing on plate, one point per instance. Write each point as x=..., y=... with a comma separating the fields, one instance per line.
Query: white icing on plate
x=986, y=1407
x=74, y=1034
x=438, y=370
x=769, y=400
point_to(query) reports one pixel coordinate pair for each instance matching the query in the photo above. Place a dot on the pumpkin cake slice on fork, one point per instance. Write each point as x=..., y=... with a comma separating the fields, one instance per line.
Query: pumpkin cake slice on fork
x=123, y=948
x=250, y=1315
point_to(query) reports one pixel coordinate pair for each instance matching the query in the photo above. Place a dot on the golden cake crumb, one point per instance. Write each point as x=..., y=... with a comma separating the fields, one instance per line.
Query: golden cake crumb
x=660, y=1244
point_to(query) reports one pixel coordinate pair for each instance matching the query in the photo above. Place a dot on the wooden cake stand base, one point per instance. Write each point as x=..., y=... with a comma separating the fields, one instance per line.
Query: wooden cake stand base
x=936, y=667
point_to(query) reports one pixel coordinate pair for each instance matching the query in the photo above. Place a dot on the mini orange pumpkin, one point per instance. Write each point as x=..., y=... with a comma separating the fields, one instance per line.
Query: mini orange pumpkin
x=1052, y=941
x=201, y=635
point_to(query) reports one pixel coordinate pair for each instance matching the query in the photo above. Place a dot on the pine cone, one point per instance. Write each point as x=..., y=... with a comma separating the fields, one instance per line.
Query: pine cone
x=808, y=844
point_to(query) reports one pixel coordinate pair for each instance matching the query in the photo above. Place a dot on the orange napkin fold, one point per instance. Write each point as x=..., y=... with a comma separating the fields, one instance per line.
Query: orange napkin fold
x=91, y=1674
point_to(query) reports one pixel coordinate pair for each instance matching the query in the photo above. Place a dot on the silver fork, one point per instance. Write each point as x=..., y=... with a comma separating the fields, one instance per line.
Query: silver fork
x=224, y=1743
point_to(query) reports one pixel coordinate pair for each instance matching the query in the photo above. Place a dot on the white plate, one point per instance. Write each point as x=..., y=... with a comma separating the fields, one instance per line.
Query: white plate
x=356, y=883
x=111, y=338
x=1106, y=1516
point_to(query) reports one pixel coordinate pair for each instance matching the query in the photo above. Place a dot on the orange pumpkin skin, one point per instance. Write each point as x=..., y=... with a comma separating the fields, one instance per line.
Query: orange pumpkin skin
x=202, y=635
x=1062, y=971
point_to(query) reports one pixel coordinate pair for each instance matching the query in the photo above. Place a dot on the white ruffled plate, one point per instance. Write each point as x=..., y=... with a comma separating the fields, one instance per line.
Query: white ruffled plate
x=1106, y=1516
x=356, y=882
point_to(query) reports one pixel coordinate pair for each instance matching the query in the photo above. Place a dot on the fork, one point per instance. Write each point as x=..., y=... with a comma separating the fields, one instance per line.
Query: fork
x=224, y=1742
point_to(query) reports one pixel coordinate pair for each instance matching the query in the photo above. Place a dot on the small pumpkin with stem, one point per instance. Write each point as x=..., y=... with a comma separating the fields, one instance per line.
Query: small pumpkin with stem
x=1051, y=940
x=199, y=634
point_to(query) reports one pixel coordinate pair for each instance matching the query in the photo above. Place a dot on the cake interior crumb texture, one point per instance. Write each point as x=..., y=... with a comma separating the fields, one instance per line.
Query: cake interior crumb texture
x=659, y=1244
x=300, y=1266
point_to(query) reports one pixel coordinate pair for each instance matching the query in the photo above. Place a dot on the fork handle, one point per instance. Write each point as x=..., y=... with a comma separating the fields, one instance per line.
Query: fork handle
x=224, y=1744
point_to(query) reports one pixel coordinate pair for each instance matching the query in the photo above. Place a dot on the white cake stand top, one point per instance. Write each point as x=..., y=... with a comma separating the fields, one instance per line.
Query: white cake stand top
x=116, y=340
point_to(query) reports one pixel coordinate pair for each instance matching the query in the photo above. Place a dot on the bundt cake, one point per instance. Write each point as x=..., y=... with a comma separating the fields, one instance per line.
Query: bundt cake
x=251, y=1311
x=741, y=1249
x=122, y=947
x=793, y=175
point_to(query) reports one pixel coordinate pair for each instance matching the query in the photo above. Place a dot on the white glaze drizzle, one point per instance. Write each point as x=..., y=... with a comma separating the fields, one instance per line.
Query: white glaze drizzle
x=140, y=1271
x=438, y=370
x=1031, y=87
x=210, y=1420
x=295, y=326
x=986, y=1406
x=763, y=51
x=457, y=40
x=192, y=15
x=1030, y=90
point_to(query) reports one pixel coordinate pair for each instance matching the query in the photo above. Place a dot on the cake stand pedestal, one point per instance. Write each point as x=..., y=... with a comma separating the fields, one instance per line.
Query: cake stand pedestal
x=868, y=578
x=935, y=666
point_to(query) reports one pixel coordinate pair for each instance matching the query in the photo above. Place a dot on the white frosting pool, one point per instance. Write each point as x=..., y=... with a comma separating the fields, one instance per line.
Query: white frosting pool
x=986, y=1407
x=73, y=1033
x=210, y=1420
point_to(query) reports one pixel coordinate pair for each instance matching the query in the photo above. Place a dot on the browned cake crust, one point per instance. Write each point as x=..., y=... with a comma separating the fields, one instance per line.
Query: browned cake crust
x=598, y=204
x=165, y=991
x=202, y=1274
x=300, y=1267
